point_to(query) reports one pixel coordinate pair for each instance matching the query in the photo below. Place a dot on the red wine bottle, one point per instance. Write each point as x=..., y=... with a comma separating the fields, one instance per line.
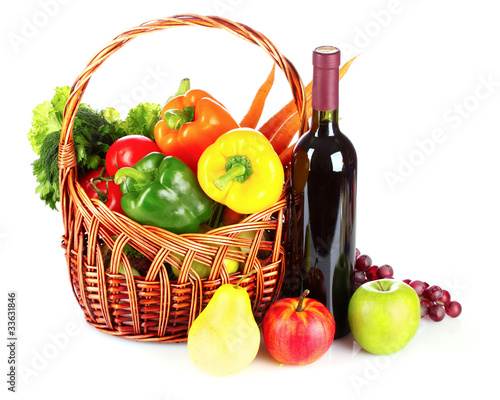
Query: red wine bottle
x=323, y=208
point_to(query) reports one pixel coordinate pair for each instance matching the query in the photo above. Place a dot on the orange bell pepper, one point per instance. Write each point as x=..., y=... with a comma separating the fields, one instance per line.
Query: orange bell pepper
x=189, y=124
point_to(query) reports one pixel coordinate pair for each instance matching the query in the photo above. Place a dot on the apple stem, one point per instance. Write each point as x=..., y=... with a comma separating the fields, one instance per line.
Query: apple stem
x=301, y=300
x=253, y=271
x=381, y=287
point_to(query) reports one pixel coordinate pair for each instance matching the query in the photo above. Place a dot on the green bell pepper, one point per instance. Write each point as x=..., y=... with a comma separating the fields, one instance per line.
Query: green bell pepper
x=162, y=191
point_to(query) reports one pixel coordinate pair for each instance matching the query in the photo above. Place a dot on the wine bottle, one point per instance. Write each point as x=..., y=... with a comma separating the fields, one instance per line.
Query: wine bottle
x=323, y=207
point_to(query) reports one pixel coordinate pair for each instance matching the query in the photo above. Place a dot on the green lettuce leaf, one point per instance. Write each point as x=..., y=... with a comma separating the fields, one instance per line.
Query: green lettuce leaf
x=141, y=120
x=111, y=114
x=47, y=118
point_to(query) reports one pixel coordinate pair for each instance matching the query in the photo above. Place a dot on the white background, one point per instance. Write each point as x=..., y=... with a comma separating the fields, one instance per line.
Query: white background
x=425, y=68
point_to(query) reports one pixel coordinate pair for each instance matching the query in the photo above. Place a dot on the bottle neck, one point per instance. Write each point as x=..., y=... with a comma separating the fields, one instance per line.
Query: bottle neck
x=325, y=123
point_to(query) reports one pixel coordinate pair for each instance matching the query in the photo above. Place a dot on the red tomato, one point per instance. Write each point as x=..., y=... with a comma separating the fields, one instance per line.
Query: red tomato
x=298, y=337
x=111, y=194
x=126, y=151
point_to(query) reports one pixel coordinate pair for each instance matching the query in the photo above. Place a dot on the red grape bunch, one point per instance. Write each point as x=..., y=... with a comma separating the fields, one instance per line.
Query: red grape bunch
x=434, y=301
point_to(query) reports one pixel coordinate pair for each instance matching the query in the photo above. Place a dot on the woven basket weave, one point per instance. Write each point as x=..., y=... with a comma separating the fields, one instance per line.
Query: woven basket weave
x=156, y=307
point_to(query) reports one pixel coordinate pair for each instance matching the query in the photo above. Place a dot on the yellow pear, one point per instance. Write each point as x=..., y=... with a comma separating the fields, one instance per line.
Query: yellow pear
x=224, y=338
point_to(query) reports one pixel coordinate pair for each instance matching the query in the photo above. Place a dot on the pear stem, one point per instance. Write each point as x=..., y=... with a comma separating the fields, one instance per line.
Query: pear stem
x=301, y=300
x=253, y=271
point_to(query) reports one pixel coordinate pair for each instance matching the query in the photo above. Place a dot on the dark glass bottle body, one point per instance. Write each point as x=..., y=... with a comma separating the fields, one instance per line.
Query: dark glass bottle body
x=324, y=172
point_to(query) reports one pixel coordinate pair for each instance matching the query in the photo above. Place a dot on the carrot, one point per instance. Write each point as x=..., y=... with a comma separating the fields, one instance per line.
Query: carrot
x=286, y=132
x=276, y=121
x=251, y=119
x=282, y=135
x=345, y=67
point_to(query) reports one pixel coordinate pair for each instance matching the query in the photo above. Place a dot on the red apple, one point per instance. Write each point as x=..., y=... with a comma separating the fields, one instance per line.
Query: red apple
x=298, y=331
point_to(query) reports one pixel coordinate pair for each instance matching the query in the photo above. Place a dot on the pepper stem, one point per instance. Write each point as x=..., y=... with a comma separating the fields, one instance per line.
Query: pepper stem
x=253, y=271
x=184, y=86
x=301, y=300
x=127, y=172
x=238, y=169
x=176, y=118
x=222, y=181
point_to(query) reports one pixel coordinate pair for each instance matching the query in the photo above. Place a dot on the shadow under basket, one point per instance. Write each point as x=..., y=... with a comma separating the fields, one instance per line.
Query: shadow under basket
x=160, y=306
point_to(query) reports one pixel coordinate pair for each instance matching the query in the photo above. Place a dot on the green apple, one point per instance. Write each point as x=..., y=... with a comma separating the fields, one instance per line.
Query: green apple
x=121, y=270
x=384, y=315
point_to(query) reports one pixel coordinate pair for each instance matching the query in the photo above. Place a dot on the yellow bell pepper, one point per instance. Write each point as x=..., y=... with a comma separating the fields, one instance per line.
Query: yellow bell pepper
x=242, y=170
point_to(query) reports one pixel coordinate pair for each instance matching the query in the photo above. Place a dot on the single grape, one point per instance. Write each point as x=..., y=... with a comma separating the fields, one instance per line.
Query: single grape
x=445, y=298
x=418, y=286
x=358, y=253
x=436, y=312
x=371, y=273
x=453, y=309
x=424, y=309
x=407, y=281
x=359, y=276
x=363, y=263
x=356, y=285
x=433, y=293
x=385, y=271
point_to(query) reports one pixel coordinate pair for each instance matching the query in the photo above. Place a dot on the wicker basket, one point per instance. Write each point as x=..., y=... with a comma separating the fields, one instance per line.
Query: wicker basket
x=157, y=307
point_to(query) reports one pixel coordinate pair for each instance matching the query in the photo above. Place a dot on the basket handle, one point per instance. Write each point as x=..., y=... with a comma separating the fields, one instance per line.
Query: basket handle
x=67, y=158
